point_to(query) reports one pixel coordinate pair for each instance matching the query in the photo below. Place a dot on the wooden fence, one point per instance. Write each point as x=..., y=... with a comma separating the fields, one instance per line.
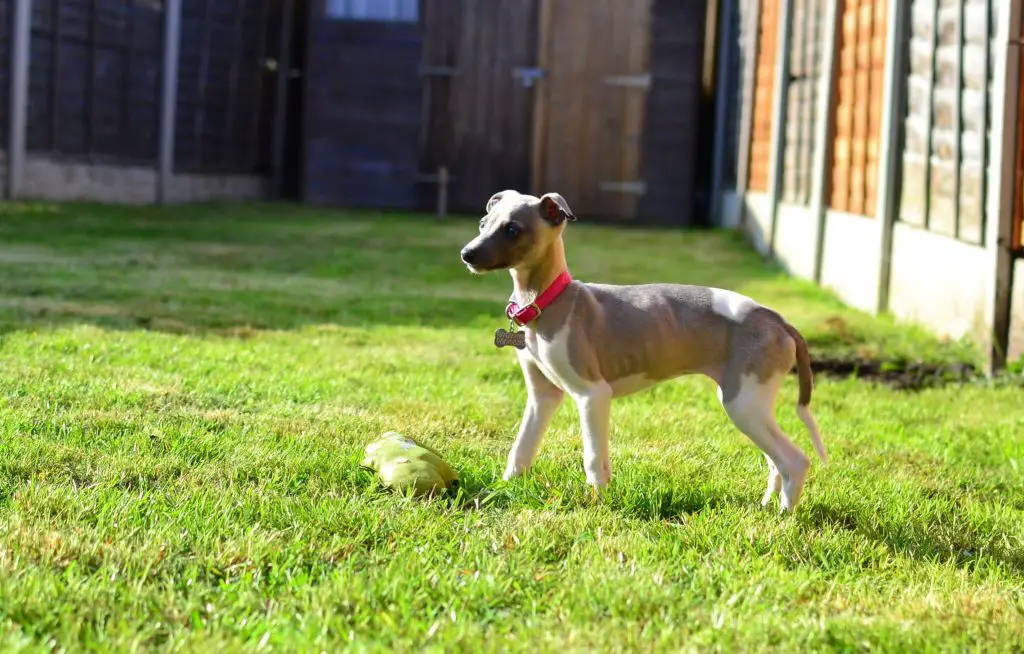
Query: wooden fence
x=898, y=145
x=96, y=82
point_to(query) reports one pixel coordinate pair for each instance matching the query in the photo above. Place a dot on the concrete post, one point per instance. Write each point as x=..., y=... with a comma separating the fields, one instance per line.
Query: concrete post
x=17, y=128
x=780, y=107
x=890, y=164
x=723, y=99
x=752, y=37
x=823, y=138
x=1000, y=213
x=168, y=99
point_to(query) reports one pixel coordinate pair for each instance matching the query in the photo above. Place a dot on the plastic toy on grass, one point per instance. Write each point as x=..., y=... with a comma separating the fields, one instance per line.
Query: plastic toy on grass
x=404, y=465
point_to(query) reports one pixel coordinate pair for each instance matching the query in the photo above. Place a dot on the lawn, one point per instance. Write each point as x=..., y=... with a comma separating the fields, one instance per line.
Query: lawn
x=187, y=393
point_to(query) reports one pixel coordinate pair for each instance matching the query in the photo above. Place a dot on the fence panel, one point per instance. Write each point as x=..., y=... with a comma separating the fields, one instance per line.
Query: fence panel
x=805, y=55
x=6, y=17
x=948, y=123
x=858, y=110
x=95, y=79
x=764, y=95
x=222, y=123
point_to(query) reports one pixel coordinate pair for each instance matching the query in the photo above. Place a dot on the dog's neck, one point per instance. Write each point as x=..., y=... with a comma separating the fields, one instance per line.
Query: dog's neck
x=530, y=281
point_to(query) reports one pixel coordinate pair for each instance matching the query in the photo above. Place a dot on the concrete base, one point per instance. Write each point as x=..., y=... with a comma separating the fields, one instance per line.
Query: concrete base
x=730, y=211
x=796, y=239
x=940, y=282
x=48, y=178
x=851, y=260
x=757, y=220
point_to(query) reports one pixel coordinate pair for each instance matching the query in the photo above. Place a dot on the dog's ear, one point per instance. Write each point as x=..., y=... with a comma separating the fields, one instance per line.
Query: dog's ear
x=555, y=209
x=493, y=201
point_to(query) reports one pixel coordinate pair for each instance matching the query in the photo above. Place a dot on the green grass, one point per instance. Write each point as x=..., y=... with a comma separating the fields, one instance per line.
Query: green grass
x=186, y=394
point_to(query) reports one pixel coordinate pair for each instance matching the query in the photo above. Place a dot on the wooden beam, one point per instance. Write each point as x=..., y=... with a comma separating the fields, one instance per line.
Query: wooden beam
x=824, y=138
x=168, y=98
x=780, y=110
x=17, y=129
x=538, y=174
x=890, y=146
x=284, y=64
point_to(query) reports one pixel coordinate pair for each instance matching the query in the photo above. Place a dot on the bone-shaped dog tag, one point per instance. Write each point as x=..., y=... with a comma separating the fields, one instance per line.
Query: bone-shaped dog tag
x=504, y=337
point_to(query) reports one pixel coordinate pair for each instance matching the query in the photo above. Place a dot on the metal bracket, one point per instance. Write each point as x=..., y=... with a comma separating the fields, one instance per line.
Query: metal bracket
x=438, y=71
x=527, y=75
x=638, y=187
x=633, y=81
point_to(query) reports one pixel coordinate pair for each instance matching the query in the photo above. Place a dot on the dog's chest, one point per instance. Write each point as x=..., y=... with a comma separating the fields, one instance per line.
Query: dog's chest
x=553, y=359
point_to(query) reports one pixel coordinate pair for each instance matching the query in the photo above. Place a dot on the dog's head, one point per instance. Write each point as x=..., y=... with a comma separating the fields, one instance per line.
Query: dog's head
x=517, y=231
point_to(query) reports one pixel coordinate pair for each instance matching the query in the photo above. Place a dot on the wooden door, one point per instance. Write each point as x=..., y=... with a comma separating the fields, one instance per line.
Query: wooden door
x=362, y=105
x=477, y=100
x=589, y=109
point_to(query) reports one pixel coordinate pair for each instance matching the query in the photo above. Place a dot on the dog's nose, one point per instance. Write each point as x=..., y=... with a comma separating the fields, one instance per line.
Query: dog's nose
x=469, y=256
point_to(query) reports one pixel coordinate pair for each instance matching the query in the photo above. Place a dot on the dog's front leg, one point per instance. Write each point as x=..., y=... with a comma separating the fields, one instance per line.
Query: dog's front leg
x=543, y=399
x=595, y=412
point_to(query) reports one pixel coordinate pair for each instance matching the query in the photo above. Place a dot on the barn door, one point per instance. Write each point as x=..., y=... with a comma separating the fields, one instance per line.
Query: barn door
x=589, y=109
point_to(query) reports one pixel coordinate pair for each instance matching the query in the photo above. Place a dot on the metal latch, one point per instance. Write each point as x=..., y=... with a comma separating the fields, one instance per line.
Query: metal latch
x=528, y=75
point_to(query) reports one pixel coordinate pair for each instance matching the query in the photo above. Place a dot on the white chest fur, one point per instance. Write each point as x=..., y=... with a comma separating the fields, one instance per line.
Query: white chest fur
x=553, y=360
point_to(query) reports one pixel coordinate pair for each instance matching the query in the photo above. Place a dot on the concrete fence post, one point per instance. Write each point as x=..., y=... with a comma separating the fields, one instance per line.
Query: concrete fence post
x=780, y=109
x=723, y=98
x=1002, y=172
x=168, y=99
x=18, y=118
x=751, y=37
x=890, y=163
x=821, y=175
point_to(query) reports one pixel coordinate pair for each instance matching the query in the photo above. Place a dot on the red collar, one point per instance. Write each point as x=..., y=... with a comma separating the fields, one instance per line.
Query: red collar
x=531, y=312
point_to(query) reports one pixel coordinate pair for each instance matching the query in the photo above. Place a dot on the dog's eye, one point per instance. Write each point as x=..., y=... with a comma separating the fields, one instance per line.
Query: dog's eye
x=512, y=229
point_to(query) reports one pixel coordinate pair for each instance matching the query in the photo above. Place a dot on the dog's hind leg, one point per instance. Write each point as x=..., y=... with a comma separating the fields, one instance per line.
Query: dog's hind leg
x=774, y=482
x=750, y=405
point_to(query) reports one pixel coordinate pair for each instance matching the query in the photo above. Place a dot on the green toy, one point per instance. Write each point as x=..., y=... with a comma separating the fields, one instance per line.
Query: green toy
x=403, y=464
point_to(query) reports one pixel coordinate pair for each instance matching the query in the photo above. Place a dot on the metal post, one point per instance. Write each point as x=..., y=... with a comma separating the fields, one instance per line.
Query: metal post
x=284, y=66
x=1006, y=144
x=780, y=108
x=752, y=38
x=168, y=98
x=722, y=101
x=19, y=97
x=824, y=136
x=890, y=138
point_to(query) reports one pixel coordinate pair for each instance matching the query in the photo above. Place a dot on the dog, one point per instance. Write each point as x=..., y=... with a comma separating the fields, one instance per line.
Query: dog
x=596, y=342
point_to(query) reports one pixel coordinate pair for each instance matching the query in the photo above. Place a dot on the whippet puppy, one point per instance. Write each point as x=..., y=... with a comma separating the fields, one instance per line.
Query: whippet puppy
x=596, y=342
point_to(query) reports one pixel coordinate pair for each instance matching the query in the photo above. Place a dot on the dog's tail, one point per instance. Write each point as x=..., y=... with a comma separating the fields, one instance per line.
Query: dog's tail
x=803, y=406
